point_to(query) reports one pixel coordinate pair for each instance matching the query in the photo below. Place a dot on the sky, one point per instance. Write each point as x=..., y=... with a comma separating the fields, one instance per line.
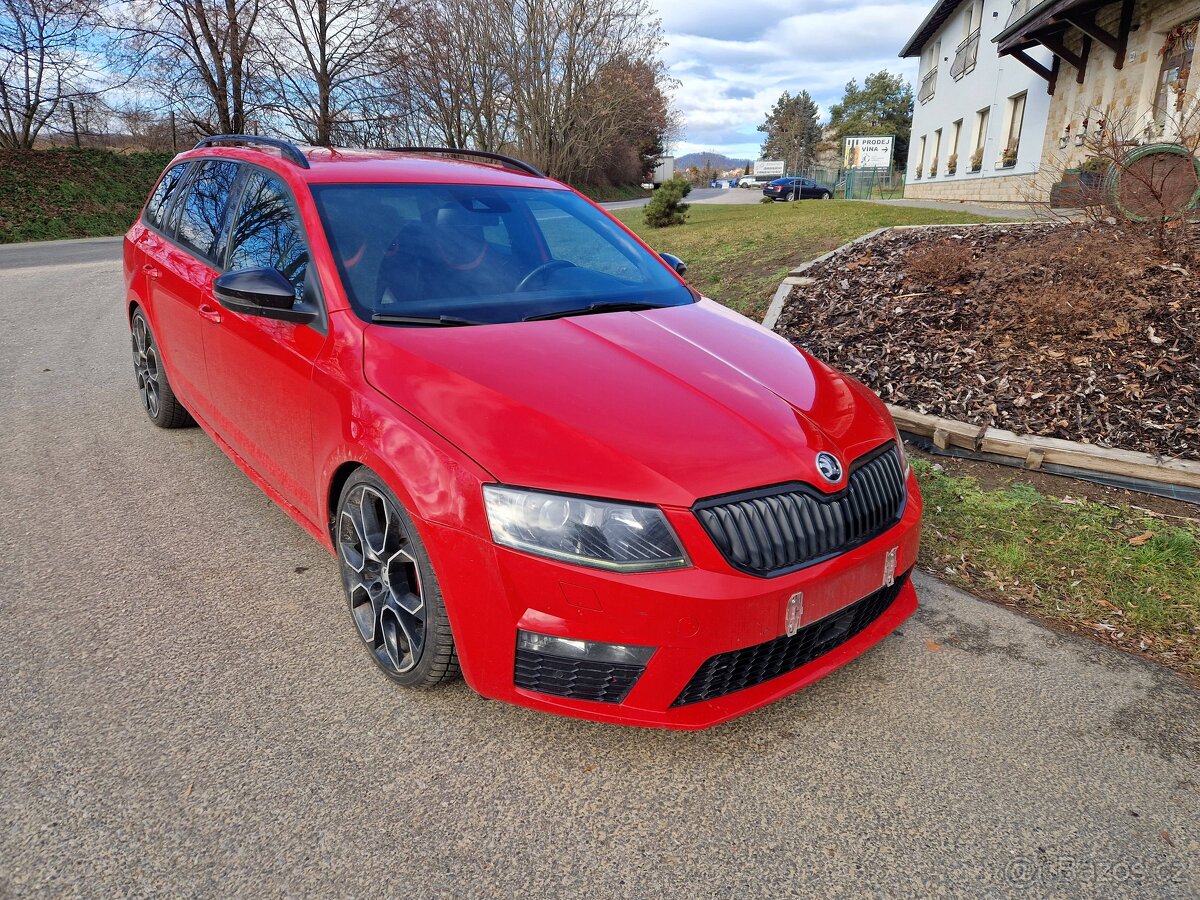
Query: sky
x=733, y=60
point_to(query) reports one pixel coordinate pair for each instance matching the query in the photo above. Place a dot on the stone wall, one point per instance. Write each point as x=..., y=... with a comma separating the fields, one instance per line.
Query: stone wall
x=1129, y=91
x=1003, y=189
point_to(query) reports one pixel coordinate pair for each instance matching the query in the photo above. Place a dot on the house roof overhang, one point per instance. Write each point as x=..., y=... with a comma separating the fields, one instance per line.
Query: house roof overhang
x=928, y=28
x=1047, y=24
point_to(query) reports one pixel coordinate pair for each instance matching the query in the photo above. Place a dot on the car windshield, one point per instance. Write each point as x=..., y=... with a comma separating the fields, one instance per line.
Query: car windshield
x=453, y=254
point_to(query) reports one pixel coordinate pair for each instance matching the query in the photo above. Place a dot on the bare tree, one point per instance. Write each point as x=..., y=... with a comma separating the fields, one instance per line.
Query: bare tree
x=559, y=52
x=454, y=72
x=206, y=56
x=327, y=58
x=43, y=63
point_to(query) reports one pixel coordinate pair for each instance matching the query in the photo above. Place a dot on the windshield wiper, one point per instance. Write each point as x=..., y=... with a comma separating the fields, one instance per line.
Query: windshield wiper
x=435, y=321
x=621, y=306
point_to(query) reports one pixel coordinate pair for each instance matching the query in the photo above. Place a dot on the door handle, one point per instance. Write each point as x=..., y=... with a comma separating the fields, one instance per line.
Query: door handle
x=210, y=312
x=150, y=270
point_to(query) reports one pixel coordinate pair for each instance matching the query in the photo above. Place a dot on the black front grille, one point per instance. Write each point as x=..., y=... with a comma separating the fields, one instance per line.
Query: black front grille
x=579, y=679
x=728, y=672
x=781, y=529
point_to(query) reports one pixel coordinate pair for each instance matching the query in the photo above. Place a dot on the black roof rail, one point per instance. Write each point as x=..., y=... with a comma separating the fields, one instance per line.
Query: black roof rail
x=287, y=149
x=509, y=161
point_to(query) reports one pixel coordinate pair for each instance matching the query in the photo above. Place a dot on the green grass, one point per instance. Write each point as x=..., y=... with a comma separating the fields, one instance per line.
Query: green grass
x=738, y=254
x=1115, y=572
x=61, y=193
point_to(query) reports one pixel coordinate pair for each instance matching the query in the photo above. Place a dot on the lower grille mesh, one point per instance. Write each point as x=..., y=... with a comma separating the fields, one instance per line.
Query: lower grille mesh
x=739, y=669
x=578, y=679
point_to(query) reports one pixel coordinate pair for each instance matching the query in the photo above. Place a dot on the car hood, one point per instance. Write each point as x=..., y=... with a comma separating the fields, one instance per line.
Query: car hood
x=665, y=406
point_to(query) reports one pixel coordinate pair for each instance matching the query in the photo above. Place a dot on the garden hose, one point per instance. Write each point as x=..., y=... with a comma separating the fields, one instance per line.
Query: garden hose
x=1115, y=173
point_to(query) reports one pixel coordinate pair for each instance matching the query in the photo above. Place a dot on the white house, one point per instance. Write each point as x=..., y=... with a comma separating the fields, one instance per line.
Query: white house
x=979, y=118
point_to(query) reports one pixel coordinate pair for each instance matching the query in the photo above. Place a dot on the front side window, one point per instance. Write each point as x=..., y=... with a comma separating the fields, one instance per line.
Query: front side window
x=160, y=201
x=485, y=254
x=205, y=206
x=267, y=233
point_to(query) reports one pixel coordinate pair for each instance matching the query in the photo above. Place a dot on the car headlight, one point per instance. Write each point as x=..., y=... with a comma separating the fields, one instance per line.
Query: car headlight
x=904, y=464
x=622, y=537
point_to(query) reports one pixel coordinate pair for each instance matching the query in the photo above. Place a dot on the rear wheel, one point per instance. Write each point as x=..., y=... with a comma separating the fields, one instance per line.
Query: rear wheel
x=393, y=593
x=153, y=387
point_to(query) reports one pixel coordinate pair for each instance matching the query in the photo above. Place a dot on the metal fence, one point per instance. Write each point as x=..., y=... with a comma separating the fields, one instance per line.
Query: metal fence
x=858, y=184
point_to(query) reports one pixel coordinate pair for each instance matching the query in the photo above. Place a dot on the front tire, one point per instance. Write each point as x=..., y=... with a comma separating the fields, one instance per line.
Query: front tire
x=158, y=400
x=826, y=196
x=393, y=593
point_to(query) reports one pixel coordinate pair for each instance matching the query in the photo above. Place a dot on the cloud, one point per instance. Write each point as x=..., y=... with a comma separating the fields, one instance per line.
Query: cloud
x=732, y=63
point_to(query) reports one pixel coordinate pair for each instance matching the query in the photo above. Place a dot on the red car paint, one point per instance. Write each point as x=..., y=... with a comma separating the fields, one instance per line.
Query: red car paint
x=663, y=407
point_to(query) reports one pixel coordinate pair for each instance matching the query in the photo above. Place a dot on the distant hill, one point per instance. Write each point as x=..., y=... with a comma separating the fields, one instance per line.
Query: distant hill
x=716, y=160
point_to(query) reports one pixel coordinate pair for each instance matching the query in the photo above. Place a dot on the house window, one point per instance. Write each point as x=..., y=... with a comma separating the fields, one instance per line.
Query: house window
x=1177, y=52
x=930, y=67
x=980, y=139
x=952, y=149
x=920, y=159
x=1012, y=136
x=967, y=53
x=937, y=152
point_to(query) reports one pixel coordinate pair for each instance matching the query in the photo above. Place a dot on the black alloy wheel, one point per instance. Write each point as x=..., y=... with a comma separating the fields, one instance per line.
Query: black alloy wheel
x=158, y=400
x=392, y=591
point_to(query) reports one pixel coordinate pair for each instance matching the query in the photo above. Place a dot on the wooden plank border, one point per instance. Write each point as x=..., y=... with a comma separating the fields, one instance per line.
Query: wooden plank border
x=1032, y=452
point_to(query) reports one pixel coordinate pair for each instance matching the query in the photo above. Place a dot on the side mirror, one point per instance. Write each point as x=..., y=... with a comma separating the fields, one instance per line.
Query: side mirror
x=675, y=263
x=261, y=292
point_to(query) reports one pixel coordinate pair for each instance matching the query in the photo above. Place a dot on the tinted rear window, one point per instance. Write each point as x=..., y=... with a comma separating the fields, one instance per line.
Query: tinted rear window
x=164, y=192
x=205, y=207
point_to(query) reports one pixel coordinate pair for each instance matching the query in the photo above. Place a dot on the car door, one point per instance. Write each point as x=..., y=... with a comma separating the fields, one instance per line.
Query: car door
x=184, y=264
x=808, y=188
x=172, y=314
x=260, y=369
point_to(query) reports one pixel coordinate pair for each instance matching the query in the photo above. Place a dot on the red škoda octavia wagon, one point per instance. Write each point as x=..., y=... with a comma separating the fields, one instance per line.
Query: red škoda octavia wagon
x=538, y=454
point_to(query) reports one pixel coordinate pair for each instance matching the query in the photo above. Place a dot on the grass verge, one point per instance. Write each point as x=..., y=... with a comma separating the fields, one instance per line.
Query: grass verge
x=609, y=192
x=738, y=254
x=1127, y=576
x=67, y=193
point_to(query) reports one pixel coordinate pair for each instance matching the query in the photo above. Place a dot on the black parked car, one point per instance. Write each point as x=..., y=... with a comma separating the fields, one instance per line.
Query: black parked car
x=797, y=189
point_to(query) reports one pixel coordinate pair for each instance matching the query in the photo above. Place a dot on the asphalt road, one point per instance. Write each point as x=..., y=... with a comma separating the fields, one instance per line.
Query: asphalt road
x=187, y=710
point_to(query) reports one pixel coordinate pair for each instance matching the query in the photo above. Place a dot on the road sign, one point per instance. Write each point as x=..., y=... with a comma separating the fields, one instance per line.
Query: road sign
x=769, y=167
x=868, y=152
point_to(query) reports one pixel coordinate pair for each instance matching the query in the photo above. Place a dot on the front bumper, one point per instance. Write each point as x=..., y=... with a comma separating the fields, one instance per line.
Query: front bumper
x=688, y=615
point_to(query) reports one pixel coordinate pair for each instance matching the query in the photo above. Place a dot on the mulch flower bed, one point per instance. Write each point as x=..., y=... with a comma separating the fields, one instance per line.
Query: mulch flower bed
x=1077, y=332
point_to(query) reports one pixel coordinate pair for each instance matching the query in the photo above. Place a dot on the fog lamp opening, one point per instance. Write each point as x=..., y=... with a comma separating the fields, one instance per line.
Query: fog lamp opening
x=595, y=651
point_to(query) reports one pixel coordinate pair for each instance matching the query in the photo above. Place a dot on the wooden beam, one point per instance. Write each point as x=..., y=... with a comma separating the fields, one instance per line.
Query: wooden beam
x=1025, y=59
x=1123, y=33
x=1086, y=22
x=1054, y=43
x=1053, y=82
x=1084, y=52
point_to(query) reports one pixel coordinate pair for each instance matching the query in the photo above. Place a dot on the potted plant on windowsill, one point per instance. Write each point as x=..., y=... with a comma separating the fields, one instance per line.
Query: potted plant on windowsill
x=917, y=173
x=977, y=160
x=952, y=164
x=1008, y=158
x=933, y=167
x=1091, y=170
